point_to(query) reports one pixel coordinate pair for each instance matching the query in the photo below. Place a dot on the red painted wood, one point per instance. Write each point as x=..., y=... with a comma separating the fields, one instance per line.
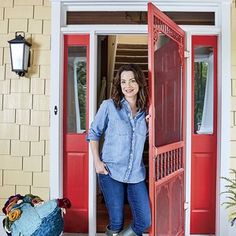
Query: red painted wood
x=167, y=94
x=203, y=162
x=167, y=125
x=75, y=153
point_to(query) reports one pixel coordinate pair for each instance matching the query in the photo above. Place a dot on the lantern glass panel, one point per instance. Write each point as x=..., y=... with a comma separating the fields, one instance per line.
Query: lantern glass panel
x=26, y=57
x=17, y=51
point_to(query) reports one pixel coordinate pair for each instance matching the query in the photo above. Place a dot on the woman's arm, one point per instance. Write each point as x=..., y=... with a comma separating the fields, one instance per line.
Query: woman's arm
x=99, y=165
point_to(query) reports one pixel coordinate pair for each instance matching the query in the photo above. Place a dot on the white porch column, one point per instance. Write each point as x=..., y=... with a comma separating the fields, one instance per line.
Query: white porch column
x=56, y=164
x=92, y=112
x=224, y=90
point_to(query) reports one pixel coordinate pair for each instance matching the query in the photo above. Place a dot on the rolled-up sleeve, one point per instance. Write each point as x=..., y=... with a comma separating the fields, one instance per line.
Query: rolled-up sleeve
x=99, y=123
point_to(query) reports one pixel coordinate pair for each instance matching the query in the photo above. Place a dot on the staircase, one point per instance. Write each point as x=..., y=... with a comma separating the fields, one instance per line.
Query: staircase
x=132, y=53
x=125, y=49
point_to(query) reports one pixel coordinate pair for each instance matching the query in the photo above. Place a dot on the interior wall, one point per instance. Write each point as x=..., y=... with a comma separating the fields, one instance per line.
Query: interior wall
x=132, y=39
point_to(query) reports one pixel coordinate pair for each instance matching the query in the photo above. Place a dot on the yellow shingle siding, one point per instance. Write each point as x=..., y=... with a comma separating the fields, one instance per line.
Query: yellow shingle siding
x=1, y=101
x=28, y=2
x=16, y=12
x=42, y=12
x=8, y=3
x=36, y=26
x=1, y=13
x=24, y=101
x=18, y=25
x=2, y=70
x=0, y=177
x=1, y=56
x=5, y=148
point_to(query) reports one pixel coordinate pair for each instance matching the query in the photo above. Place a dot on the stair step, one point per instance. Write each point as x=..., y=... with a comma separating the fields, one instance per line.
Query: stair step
x=132, y=46
x=142, y=66
x=131, y=53
x=124, y=59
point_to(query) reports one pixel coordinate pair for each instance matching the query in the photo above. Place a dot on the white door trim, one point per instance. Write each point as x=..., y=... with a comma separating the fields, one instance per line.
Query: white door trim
x=224, y=119
x=222, y=8
x=56, y=99
x=188, y=135
x=92, y=111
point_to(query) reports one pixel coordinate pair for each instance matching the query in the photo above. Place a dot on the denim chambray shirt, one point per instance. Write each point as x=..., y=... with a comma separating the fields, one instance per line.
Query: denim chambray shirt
x=124, y=140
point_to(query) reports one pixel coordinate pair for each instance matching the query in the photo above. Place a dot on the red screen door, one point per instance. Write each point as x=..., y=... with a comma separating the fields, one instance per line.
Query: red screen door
x=166, y=127
x=75, y=124
x=204, y=134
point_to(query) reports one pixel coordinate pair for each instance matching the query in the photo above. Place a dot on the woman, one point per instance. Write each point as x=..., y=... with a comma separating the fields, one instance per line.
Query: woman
x=120, y=167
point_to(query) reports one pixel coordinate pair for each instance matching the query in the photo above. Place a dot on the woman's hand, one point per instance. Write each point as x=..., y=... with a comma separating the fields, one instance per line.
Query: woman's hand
x=147, y=117
x=100, y=167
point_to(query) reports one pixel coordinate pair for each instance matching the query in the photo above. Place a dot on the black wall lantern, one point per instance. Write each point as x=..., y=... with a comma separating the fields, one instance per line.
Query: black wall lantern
x=20, y=53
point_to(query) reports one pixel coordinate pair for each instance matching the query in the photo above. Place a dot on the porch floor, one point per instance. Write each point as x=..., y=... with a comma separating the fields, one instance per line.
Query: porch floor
x=79, y=234
x=100, y=234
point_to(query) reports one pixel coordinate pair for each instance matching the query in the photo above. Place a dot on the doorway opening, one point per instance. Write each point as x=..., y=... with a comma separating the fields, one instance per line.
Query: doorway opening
x=113, y=52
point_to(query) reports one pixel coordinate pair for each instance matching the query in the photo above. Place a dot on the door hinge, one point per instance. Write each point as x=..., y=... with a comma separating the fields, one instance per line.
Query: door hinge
x=186, y=54
x=186, y=205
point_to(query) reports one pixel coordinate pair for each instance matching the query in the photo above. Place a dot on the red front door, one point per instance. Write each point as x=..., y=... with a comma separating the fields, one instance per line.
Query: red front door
x=204, y=134
x=166, y=127
x=75, y=124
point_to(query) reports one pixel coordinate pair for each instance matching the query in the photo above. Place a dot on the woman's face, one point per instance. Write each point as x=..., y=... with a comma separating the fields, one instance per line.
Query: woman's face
x=129, y=86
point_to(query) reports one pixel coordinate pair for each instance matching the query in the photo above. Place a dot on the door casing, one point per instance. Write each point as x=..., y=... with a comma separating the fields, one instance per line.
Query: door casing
x=58, y=29
x=92, y=112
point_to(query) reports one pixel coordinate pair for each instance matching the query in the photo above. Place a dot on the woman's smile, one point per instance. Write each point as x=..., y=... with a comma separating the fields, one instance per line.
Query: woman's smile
x=129, y=90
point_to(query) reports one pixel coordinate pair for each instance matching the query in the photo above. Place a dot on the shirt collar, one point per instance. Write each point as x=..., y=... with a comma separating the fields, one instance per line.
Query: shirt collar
x=127, y=106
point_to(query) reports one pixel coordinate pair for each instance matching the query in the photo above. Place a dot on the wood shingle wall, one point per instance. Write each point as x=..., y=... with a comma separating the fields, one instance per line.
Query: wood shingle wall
x=24, y=101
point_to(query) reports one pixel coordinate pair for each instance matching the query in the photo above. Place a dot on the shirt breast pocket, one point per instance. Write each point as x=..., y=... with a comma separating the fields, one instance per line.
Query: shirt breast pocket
x=121, y=127
x=141, y=128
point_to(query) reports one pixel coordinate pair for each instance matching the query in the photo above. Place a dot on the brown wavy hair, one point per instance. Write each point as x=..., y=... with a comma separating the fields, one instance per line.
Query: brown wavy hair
x=142, y=96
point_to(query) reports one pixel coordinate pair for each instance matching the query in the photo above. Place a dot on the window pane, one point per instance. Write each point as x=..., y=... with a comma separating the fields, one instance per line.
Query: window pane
x=137, y=17
x=203, y=90
x=76, y=89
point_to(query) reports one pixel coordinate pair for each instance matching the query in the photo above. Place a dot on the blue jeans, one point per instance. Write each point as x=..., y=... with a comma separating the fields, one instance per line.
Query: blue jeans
x=137, y=195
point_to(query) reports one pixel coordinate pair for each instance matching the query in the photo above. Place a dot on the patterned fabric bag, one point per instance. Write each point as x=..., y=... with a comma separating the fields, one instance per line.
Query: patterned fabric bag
x=30, y=215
